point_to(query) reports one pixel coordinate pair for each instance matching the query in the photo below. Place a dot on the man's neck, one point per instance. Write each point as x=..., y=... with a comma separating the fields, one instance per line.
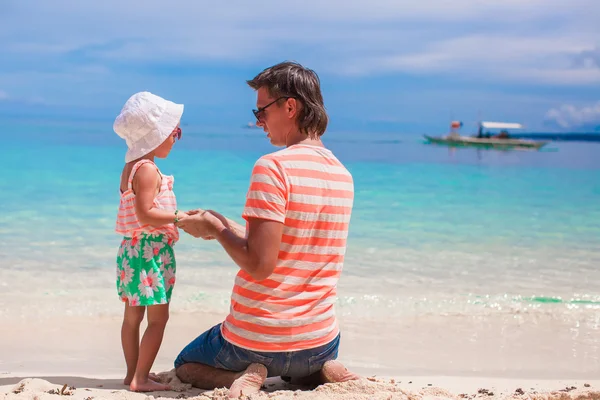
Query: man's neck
x=306, y=141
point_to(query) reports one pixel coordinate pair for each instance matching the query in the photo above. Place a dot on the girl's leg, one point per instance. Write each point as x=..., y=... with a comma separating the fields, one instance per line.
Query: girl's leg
x=130, y=338
x=158, y=315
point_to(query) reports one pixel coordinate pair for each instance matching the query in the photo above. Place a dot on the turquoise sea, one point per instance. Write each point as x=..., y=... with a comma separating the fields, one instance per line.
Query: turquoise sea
x=475, y=248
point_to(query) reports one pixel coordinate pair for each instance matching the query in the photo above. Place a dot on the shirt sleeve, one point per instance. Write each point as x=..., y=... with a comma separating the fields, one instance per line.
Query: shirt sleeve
x=267, y=195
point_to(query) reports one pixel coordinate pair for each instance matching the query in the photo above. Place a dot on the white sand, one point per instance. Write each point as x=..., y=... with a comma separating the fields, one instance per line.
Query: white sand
x=79, y=388
x=39, y=356
x=90, y=346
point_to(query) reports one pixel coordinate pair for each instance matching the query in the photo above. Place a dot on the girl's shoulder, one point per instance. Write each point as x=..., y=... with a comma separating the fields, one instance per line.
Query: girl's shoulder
x=143, y=172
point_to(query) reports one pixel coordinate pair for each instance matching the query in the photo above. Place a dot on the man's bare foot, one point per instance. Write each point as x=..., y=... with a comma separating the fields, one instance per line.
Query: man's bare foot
x=148, y=386
x=249, y=381
x=334, y=371
x=152, y=376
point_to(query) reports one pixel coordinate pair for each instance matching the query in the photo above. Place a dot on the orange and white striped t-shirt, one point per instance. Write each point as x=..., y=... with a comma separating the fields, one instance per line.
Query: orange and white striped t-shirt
x=309, y=190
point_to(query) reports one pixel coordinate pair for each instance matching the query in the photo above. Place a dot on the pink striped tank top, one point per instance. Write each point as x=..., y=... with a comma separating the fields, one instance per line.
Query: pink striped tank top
x=128, y=224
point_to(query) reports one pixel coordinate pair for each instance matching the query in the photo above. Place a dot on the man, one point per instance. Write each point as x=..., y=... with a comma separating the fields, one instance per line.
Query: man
x=297, y=212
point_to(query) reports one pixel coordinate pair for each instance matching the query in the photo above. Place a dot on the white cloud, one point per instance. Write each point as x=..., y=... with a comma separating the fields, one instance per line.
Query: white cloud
x=28, y=100
x=543, y=59
x=588, y=58
x=571, y=117
x=583, y=77
x=543, y=41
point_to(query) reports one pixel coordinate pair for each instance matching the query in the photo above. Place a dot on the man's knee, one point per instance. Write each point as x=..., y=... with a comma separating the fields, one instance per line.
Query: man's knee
x=183, y=373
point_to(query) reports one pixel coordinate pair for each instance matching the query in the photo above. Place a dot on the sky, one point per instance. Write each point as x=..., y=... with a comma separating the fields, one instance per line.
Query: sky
x=391, y=65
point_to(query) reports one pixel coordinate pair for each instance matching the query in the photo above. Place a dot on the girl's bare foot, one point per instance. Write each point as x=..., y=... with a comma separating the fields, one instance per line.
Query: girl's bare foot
x=148, y=386
x=249, y=381
x=334, y=371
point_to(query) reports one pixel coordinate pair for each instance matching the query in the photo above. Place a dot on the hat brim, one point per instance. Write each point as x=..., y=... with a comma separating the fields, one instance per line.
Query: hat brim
x=168, y=121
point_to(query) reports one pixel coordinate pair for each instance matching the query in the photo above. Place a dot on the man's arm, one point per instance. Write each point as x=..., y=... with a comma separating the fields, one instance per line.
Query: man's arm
x=257, y=251
x=237, y=229
x=257, y=254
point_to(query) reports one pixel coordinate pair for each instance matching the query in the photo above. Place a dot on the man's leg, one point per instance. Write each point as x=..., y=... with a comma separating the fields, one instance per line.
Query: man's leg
x=322, y=366
x=206, y=377
x=334, y=371
x=196, y=364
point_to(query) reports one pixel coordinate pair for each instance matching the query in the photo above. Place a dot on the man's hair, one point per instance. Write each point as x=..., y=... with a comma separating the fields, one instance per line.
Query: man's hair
x=290, y=79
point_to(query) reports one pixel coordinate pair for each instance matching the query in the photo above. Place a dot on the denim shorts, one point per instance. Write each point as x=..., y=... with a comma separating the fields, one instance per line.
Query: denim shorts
x=210, y=348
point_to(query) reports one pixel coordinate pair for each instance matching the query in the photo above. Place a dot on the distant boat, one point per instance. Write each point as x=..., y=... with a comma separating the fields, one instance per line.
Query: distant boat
x=251, y=125
x=500, y=140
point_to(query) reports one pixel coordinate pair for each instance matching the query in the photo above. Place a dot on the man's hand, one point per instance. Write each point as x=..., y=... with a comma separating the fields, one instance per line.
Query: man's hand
x=194, y=212
x=200, y=224
x=255, y=252
x=230, y=224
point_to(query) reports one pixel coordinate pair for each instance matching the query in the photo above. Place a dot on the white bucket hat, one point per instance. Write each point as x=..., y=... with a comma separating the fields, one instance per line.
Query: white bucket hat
x=145, y=122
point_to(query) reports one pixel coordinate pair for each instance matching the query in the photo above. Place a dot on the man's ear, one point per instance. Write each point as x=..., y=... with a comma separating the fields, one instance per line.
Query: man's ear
x=292, y=105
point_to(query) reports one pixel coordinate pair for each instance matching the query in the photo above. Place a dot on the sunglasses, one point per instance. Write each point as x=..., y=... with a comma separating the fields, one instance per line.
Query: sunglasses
x=257, y=113
x=177, y=133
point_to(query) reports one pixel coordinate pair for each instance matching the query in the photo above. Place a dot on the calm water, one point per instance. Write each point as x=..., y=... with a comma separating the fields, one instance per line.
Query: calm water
x=445, y=236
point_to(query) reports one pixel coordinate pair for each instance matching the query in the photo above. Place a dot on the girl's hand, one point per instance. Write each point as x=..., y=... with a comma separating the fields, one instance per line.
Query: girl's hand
x=195, y=212
x=182, y=215
x=201, y=224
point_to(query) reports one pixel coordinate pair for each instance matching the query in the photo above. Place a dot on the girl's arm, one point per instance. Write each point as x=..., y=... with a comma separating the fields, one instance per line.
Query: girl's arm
x=145, y=184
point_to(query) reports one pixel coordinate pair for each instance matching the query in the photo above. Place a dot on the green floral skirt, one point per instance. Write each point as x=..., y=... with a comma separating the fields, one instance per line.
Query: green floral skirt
x=146, y=270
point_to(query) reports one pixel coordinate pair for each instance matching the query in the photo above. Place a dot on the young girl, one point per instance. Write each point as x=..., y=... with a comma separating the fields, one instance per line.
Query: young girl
x=146, y=219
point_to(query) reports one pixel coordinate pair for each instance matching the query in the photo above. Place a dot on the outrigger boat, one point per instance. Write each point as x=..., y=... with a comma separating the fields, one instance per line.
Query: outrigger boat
x=500, y=140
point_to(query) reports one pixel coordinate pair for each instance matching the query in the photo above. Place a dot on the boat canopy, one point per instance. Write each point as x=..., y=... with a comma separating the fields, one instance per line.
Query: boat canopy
x=501, y=125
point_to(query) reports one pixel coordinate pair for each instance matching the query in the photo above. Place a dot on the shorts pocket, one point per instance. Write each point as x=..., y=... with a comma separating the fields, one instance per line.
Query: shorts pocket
x=233, y=358
x=258, y=358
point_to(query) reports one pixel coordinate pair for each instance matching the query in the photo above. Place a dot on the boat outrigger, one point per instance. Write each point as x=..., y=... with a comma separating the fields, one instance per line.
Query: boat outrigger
x=500, y=140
